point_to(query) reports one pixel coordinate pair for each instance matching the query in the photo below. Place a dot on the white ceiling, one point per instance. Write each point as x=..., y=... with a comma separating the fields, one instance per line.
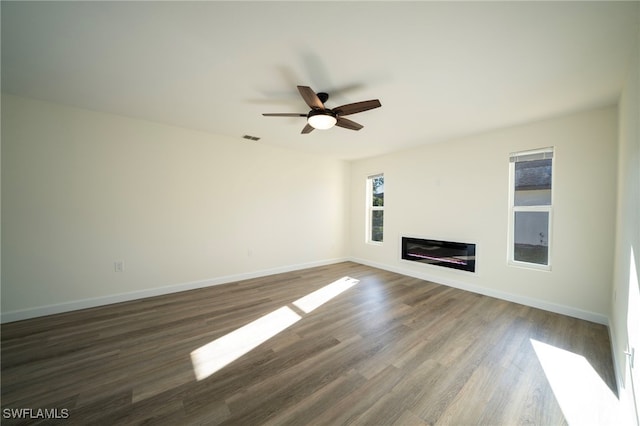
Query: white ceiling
x=440, y=69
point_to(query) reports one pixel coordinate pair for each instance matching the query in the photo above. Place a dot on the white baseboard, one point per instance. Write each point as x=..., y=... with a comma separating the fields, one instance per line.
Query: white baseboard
x=158, y=291
x=527, y=301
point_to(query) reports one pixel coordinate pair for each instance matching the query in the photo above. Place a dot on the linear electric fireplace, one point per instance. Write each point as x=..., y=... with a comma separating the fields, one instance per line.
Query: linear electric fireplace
x=441, y=253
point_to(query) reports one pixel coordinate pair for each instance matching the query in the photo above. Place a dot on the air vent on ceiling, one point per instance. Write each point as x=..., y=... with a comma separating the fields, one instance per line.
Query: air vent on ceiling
x=251, y=138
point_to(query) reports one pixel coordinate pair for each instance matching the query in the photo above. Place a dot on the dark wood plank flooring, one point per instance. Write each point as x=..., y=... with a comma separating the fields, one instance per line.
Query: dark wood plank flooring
x=390, y=350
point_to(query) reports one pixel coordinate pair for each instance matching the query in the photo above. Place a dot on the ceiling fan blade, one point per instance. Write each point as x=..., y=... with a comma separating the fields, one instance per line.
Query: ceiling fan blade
x=357, y=107
x=348, y=124
x=310, y=97
x=284, y=114
x=307, y=129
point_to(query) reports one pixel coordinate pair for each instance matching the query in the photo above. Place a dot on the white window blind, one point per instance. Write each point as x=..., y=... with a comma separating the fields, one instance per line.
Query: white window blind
x=531, y=155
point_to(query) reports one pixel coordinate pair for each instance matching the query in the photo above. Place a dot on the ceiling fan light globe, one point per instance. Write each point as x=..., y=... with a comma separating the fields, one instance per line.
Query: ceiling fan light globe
x=322, y=121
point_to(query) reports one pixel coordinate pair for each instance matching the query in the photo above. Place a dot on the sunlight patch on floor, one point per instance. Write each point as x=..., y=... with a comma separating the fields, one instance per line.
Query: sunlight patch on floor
x=213, y=356
x=585, y=399
x=321, y=296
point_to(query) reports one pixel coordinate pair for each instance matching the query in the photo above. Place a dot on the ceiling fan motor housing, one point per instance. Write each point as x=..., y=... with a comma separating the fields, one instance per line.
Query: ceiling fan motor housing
x=315, y=112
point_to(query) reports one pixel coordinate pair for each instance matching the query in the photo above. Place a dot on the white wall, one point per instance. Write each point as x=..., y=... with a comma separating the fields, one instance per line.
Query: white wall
x=626, y=275
x=458, y=191
x=181, y=208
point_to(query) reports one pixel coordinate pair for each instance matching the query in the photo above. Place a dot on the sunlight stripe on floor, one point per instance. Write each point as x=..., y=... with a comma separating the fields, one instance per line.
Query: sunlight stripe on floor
x=321, y=296
x=216, y=355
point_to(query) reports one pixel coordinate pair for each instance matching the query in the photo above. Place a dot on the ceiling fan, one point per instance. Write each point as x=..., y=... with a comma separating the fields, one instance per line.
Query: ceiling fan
x=324, y=118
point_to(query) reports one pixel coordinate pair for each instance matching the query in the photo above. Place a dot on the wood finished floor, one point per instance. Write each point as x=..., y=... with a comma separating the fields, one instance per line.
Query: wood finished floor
x=392, y=350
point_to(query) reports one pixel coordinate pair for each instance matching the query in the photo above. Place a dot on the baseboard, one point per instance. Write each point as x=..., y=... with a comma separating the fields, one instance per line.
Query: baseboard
x=75, y=305
x=527, y=301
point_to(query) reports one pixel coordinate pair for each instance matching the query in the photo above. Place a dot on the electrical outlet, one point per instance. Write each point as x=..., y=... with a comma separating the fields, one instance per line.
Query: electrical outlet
x=118, y=266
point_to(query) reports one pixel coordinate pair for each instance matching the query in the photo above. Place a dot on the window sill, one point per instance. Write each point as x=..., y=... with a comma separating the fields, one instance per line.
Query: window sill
x=533, y=266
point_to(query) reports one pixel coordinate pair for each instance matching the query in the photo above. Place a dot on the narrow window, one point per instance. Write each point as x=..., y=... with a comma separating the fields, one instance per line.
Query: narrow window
x=375, y=208
x=530, y=177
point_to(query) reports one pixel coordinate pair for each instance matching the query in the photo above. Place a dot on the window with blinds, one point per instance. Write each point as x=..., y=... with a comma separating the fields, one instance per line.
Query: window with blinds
x=375, y=208
x=530, y=208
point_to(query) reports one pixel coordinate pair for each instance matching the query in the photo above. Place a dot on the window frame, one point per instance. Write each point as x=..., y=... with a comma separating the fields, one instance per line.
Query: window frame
x=546, y=153
x=370, y=208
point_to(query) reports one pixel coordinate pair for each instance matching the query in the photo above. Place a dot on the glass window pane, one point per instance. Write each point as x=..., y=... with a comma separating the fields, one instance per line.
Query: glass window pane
x=378, y=191
x=377, y=220
x=533, y=198
x=531, y=237
x=533, y=183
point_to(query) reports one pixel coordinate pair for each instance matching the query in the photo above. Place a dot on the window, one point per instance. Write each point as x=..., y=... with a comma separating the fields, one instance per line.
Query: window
x=530, y=205
x=375, y=208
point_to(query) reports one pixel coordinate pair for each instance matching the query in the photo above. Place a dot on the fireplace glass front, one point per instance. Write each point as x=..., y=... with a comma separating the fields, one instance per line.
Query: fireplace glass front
x=447, y=254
